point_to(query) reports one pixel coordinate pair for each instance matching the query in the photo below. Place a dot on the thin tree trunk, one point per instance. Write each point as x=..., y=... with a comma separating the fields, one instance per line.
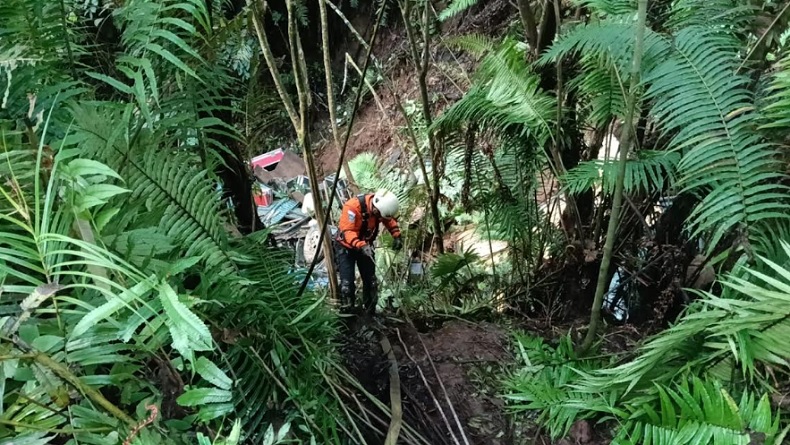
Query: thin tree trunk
x=330, y=92
x=422, y=65
x=348, y=24
x=272, y=64
x=528, y=21
x=627, y=136
x=298, y=120
x=303, y=134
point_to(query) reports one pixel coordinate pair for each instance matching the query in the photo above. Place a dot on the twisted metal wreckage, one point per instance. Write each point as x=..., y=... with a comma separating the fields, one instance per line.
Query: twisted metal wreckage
x=285, y=206
x=283, y=201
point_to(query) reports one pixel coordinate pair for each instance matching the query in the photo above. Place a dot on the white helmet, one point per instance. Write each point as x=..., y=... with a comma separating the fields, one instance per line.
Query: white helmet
x=386, y=202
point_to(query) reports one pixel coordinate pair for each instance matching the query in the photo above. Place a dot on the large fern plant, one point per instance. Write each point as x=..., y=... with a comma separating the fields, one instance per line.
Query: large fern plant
x=680, y=387
x=121, y=285
x=702, y=103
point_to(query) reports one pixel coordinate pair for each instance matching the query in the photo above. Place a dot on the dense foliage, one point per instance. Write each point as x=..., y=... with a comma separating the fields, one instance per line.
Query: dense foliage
x=126, y=290
x=122, y=286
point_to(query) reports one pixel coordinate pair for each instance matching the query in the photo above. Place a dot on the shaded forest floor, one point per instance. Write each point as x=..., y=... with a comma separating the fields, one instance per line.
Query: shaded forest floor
x=463, y=362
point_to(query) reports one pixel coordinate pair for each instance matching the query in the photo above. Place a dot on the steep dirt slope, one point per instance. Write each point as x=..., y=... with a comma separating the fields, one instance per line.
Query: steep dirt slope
x=379, y=126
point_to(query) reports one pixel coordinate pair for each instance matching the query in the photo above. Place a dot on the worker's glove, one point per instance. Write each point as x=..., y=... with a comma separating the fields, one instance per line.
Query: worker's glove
x=367, y=251
x=397, y=243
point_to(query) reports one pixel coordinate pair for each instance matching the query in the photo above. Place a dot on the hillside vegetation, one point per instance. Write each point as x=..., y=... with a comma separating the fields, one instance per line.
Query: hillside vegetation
x=598, y=191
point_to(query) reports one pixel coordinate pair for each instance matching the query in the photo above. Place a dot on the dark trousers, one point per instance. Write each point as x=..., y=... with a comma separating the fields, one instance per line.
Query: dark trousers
x=346, y=259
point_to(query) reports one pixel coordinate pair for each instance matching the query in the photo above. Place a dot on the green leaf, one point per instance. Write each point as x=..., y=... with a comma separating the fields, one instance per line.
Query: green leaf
x=112, y=82
x=158, y=49
x=105, y=216
x=209, y=371
x=92, y=318
x=97, y=195
x=455, y=8
x=47, y=343
x=307, y=311
x=203, y=396
x=182, y=264
x=188, y=331
x=89, y=167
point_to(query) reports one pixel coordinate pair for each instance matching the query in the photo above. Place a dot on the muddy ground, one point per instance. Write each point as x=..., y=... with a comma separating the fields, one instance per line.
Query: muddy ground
x=469, y=360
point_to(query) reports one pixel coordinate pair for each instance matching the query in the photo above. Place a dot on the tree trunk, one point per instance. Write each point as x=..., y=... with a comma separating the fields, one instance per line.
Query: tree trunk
x=330, y=91
x=611, y=232
x=528, y=21
x=303, y=134
x=422, y=65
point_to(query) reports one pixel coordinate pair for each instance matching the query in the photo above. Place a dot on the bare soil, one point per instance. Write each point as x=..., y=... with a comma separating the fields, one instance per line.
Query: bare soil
x=379, y=126
x=457, y=360
x=452, y=368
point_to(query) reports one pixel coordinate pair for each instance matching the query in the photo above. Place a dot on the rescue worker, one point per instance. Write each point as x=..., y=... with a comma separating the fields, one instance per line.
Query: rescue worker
x=357, y=230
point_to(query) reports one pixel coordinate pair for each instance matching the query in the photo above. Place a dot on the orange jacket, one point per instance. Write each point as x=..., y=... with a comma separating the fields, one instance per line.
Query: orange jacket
x=351, y=233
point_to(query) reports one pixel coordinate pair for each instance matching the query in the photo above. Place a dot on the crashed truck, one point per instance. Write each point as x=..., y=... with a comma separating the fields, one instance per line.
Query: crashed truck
x=284, y=205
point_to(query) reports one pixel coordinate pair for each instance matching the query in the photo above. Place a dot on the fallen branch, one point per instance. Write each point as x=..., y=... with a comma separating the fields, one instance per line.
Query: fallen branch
x=395, y=401
x=64, y=373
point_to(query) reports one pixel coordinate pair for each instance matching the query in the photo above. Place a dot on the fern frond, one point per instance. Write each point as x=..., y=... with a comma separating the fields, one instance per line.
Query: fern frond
x=476, y=44
x=505, y=98
x=602, y=94
x=700, y=411
x=39, y=54
x=652, y=170
x=295, y=339
x=158, y=50
x=724, y=16
x=776, y=109
x=181, y=201
x=608, y=7
x=154, y=29
x=611, y=40
x=371, y=174
x=545, y=384
x=455, y=8
x=698, y=96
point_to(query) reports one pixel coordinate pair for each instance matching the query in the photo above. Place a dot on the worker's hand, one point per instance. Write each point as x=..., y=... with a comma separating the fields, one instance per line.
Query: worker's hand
x=367, y=251
x=397, y=243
